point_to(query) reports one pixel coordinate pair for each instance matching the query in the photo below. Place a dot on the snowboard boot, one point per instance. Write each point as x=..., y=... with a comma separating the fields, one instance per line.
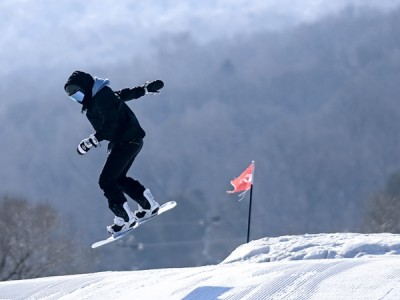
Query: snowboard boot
x=151, y=209
x=122, y=224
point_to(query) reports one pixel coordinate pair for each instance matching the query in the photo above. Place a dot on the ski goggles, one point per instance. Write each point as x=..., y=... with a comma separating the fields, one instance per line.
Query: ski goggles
x=77, y=96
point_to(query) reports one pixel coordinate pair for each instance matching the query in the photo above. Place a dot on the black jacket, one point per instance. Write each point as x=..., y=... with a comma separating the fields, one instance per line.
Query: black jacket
x=112, y=118
x=107, y=111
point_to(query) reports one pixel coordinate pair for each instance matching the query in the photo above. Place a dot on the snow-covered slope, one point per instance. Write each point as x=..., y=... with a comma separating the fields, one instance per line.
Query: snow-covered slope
x=318, y=246
x=324, y=266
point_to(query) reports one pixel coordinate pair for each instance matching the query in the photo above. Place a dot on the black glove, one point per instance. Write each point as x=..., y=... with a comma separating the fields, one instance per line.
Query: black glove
x=87, y=144
x=153, y=87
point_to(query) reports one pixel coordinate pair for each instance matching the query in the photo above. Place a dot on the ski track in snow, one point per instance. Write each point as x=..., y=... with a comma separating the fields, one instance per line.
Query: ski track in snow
x=362, y=267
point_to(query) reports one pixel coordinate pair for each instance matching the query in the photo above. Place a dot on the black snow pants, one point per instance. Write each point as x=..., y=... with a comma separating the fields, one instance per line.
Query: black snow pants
x=114, y=180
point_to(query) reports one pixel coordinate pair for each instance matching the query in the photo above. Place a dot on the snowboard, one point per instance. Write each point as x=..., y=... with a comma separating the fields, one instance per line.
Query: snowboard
x=163, y=208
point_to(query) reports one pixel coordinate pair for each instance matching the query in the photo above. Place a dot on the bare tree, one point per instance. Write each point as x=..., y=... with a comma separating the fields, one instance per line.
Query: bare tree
x=383, y=210
x=32, y=241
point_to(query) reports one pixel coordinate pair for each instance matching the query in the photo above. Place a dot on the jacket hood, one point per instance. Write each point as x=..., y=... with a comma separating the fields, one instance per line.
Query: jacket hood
x=98, y=84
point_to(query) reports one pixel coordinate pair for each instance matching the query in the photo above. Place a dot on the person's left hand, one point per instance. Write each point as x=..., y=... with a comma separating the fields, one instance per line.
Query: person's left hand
x=153, y=87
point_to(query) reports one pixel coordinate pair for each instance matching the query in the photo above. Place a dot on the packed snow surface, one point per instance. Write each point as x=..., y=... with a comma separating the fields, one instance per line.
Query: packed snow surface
x=318, y=246
x=318, y=266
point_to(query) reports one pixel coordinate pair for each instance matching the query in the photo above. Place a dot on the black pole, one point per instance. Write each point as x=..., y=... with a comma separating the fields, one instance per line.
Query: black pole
x=249, y=220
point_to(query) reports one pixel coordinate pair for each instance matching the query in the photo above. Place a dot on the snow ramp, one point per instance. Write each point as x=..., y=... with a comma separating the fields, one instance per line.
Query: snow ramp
x=365, y=277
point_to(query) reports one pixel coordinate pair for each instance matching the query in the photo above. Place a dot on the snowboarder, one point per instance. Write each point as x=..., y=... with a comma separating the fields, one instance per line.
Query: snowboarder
x=114, y=121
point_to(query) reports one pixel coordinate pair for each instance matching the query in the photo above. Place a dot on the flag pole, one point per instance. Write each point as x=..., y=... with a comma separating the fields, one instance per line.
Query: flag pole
x=251, y=202
x=249, y=219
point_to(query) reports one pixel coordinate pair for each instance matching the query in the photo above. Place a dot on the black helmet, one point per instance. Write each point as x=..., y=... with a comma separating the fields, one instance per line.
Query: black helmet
x=79, y=86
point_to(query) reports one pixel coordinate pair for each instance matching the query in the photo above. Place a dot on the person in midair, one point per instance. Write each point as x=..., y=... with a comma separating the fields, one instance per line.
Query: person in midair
x=115, y=122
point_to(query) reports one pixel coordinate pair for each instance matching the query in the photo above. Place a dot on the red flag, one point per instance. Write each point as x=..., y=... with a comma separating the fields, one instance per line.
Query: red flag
x=244, y=181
